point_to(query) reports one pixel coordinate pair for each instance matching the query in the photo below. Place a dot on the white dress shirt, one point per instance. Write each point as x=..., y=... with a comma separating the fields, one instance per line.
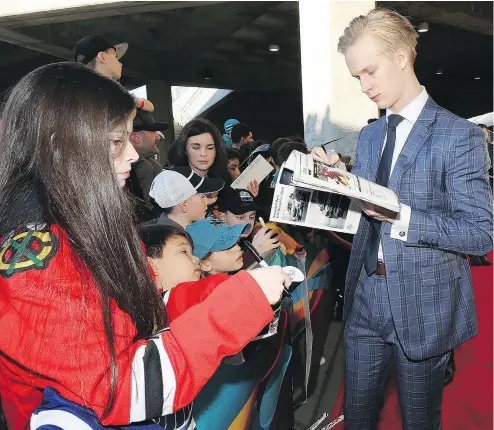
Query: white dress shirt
x=410, y=113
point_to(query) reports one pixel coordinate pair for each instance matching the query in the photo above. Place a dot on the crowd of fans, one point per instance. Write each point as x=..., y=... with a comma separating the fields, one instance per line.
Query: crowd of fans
x=112, y=336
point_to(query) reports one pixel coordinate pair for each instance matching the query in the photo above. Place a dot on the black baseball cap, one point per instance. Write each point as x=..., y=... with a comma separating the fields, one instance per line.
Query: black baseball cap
x=202, y=184
x=144, y=121
x=237, y=201
x=89, y=47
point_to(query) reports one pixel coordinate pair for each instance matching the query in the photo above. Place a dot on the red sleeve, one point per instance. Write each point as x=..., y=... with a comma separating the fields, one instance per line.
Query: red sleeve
x=56, y=338
x=233, y=314
x=188, y=294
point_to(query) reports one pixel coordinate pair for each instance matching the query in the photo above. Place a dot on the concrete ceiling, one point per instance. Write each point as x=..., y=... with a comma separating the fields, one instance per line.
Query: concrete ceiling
x=475, y=16
x=182, y=42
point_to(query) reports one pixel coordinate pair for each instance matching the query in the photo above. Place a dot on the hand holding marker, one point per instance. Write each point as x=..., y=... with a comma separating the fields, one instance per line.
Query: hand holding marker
x=293, y=273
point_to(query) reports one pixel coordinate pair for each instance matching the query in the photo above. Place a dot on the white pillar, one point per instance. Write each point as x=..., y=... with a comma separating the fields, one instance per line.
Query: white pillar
x=160, y=94
x=333, y=104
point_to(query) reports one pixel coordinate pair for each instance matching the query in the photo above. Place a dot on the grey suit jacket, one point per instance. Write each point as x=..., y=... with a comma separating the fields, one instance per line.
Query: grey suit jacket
x=441, y=174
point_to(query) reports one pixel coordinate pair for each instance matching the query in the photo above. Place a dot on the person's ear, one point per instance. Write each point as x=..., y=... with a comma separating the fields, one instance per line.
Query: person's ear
x=402, y=58
x=222, y=216
x=134, y=138
x=205, y=266
x=101, y=57
x=183, y=207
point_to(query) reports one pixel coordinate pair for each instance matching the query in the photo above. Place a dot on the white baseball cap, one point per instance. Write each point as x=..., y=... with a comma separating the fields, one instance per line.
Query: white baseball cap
x=170, y=188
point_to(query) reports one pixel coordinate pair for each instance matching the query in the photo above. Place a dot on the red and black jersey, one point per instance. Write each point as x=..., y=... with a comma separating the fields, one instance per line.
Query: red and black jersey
x=53, y=336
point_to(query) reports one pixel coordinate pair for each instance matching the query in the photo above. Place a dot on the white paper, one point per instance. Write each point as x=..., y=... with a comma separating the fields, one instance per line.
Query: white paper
x=312, y=208
x=258, y=170
x=313, y=174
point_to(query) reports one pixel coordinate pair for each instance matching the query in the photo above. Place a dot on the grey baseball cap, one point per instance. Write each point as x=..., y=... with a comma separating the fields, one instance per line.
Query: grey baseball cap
x=170, y=188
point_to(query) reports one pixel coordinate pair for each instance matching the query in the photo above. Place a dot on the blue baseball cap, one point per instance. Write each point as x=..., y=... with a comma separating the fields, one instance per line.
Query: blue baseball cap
x=213, y=235
x=229, y=125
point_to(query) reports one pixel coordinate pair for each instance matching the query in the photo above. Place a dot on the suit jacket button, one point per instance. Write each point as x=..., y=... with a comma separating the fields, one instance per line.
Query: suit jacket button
x=402, y=233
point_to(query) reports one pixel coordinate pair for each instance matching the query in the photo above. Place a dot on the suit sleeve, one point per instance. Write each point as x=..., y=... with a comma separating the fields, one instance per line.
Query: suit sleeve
x=469, y=229
x=57, y=339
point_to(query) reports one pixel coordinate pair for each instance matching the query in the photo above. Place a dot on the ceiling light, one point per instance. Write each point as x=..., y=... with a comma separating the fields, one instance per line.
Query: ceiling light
x=477, y=78
x=274, y=48
x=423, y=27
x=207, y=74
x=439, y=72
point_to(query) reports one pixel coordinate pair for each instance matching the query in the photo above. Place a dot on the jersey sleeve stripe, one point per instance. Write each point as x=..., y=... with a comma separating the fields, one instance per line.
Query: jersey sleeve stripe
x=153, y=380
x=167, y=376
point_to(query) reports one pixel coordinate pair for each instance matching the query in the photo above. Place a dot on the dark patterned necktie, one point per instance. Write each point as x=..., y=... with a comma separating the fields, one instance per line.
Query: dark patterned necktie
x=382, y=178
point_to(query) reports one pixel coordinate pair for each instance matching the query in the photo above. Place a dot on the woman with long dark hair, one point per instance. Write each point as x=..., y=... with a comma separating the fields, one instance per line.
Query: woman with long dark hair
x=80, y=314
x=201, y=147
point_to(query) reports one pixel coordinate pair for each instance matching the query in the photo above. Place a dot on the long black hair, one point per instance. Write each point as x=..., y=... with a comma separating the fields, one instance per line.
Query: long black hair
x=177, y=156
x=56, y=158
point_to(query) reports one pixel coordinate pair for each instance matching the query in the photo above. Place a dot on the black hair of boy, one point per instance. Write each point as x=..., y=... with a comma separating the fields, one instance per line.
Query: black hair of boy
x=156, y=236
x=240, y=131
x=297, y=139
x=232, y=154
x=286, y=149
x=280, y=141
x=276, y=145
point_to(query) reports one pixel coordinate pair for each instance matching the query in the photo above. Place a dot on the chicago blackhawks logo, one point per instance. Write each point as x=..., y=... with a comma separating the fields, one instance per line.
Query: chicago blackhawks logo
x=27, y=249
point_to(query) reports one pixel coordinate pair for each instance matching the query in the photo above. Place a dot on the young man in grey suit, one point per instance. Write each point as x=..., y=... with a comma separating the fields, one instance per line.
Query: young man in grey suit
x=409, y=299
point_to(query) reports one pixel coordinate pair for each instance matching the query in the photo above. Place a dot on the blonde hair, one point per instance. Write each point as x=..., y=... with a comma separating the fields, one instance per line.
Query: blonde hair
x=394, y=30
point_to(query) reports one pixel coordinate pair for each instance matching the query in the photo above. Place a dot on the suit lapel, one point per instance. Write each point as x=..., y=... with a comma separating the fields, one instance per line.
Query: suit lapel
x=376, y=143
x=420, y=132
